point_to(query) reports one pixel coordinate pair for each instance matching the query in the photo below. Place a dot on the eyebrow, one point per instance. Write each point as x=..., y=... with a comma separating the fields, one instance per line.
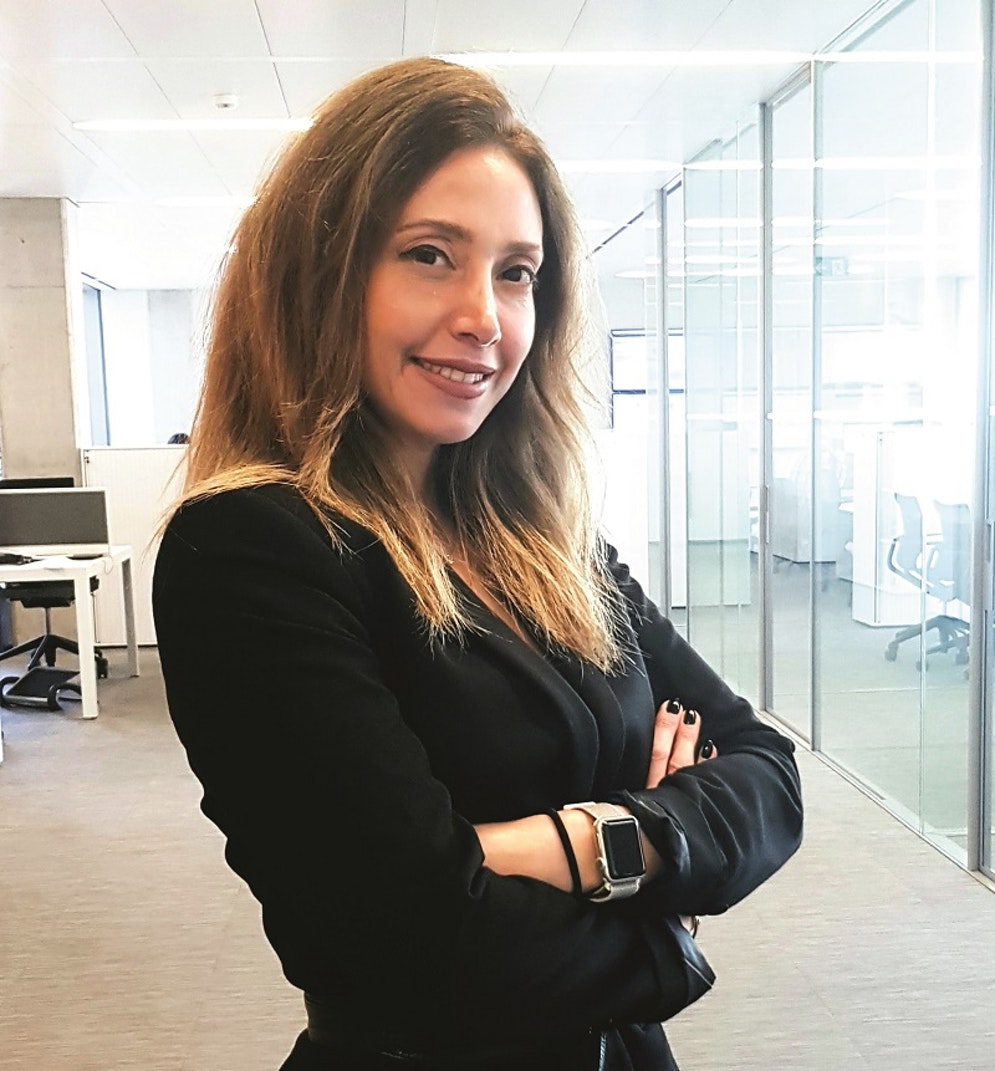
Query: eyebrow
x=461, y=234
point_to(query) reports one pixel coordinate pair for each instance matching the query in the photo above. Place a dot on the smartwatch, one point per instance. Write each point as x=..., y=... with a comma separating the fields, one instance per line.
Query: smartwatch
x=620, y=850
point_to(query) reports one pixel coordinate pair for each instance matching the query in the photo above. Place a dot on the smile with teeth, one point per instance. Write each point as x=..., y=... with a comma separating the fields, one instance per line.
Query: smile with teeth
x=452, y=373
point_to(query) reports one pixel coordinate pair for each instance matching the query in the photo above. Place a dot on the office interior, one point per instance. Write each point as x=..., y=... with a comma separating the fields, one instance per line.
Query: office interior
x=791, y=212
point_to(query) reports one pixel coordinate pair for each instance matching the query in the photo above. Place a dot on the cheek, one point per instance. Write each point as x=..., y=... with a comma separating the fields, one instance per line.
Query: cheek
x=519, y=333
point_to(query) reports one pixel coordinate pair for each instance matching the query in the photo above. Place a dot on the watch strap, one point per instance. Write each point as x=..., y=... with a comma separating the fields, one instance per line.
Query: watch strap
x=610, y=888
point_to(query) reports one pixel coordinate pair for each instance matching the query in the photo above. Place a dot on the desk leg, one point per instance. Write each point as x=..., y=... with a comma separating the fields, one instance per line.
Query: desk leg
x=85, y=639
x=128, y=591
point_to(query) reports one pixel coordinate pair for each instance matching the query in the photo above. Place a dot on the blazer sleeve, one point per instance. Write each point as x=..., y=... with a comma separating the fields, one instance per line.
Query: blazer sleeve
x=372, y=887
x=722, y=827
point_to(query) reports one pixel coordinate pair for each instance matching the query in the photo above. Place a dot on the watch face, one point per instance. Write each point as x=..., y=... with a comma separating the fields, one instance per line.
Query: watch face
x=623, y=850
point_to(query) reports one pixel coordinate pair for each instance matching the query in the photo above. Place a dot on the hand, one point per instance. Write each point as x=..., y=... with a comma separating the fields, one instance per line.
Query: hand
x=675, y=737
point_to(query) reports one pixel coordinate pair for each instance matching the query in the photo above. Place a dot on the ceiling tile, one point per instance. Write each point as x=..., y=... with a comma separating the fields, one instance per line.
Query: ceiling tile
x=164, y=164
x=419, y=26
x=523, y=85
x=191, y=84
x=191, y=27
x=513, y=24
x=38, y=162
x=306, y=83
x=60, y=29
x=644, y=24
x=578, y=140
x=16, y=100
x=804, y=25
x=240, y=158
x=333, y=29
x=115, y=243
x=98, y=89
x=596, y=94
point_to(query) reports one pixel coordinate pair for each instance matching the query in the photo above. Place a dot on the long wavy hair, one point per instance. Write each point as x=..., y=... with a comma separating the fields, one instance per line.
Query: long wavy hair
x=283, y=396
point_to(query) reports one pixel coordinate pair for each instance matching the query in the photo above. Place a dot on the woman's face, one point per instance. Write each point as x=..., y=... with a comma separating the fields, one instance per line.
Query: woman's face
x=450, y=314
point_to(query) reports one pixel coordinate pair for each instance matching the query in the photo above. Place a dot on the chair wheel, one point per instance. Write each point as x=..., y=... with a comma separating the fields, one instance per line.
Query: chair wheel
x=891, y=652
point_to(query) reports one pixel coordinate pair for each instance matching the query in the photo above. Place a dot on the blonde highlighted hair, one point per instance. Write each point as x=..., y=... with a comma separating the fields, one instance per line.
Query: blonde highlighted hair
x=283, y=398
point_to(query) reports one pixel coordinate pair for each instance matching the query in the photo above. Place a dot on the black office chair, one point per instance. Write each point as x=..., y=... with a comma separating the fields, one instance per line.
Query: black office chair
x=40, y=685
x=938, y=564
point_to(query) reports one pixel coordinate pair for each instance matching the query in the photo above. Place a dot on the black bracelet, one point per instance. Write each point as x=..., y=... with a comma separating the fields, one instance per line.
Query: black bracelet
x=568, y=851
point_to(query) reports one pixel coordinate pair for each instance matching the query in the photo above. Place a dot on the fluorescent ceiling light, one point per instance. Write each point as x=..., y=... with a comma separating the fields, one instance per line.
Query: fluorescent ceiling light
x=159, y=125
x=684, y=58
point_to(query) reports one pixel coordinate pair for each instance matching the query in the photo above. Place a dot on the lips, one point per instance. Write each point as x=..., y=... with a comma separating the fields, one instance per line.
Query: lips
x=463, y=382
x=470, y=375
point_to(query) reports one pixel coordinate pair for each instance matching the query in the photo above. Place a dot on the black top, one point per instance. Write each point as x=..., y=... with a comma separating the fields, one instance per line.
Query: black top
x=344, y=759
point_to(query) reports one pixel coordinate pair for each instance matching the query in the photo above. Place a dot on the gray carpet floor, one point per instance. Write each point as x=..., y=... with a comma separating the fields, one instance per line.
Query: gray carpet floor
x=126, y=944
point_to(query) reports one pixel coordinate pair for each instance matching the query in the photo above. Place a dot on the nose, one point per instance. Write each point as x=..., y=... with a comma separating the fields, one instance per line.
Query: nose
x=476, y=316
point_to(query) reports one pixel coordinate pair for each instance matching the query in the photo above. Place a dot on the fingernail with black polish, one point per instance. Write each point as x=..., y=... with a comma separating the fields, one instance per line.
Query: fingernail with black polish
x=707, y=750
x=673, y=706
x=690, y=717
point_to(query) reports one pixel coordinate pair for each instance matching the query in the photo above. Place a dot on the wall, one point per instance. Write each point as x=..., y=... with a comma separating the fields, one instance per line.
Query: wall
x=41, y=380
x=152, y=357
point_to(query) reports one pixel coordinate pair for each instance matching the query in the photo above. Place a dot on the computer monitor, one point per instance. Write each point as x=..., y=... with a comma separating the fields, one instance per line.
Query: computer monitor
x=21, y=483
x=44, y=521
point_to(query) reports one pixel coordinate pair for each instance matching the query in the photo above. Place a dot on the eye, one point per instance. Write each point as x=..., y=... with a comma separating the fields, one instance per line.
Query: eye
x=521, y=274
x=426, y=254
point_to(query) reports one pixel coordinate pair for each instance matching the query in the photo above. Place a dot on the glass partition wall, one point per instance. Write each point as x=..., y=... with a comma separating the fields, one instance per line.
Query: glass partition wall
x=896, y=255
x=800, y=554
x=721, y=286
x=831, y=407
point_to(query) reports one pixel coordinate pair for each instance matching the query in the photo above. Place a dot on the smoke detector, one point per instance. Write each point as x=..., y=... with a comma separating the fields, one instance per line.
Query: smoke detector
x=225, y=102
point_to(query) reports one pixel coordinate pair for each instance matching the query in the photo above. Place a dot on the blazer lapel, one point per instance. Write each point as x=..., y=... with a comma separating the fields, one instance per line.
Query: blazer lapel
x=581, y=735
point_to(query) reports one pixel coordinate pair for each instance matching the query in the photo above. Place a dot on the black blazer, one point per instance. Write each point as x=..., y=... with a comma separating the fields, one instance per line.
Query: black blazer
x=345, y=760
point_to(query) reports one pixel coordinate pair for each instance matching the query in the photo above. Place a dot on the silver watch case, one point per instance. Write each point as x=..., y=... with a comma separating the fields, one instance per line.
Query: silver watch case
x=621, y=862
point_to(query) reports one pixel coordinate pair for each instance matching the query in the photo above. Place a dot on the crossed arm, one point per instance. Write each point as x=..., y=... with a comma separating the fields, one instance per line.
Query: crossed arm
x=531, y=847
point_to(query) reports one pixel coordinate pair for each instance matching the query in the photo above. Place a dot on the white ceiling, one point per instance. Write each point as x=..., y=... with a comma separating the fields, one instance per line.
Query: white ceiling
x=63, y=61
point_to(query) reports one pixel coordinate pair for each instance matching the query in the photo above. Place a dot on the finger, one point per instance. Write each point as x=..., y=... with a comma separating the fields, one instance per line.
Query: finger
x=668, y=717
x=707, y=751
x=685, y=741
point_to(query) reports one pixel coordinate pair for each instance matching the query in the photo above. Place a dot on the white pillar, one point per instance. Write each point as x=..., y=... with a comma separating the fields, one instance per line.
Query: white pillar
x=44, y=417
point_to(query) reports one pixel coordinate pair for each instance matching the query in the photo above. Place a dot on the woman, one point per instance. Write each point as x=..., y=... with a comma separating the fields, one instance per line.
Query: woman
x=396, y=650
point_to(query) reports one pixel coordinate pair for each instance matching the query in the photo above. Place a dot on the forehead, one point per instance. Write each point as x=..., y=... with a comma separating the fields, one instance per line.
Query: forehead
x=482, y=182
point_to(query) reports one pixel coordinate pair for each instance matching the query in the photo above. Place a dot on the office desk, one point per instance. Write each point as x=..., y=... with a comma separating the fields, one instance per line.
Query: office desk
x=80, y=571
